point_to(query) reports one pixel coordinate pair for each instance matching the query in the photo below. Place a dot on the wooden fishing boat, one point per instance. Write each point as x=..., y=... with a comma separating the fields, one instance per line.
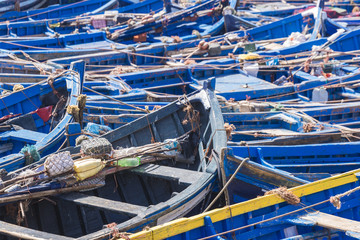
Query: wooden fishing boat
x=13, y=5
x=182, y=23
x=277, y=9
x=311, y=162
x=142, y=7
x=251, y=121
x=80, y=41
x=236, y=84
x=26, y=117
x=111, y=89
x=268, y=122
x=114, y=114
x=164, y=191
x=291, y=24
x=144, y=55
x=342, y=43
x=43, y=55
x=345, y=114
x=255, y=126
x=231, y=83
x=252, y=178
x=59, y=11
x=326, y=208
x=64, y=26
x=23, y=69
x=59, y=21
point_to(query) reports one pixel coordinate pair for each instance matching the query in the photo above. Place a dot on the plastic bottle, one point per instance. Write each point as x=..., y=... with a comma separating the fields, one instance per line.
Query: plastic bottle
x=128, y=162
x=320, y=95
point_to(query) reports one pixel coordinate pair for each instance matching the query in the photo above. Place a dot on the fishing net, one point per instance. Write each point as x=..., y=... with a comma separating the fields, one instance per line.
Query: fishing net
x=30, y=153
x=26, y=180
x=81, y=101
x=96, y=146
x=80, y=139
x=74, y=111
x=91, y=182
x=58, y=163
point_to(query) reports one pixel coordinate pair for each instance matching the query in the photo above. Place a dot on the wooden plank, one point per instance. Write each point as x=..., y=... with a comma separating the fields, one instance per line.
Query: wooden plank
x=178, y=124
x=332, y=222
x=27, y=233
x=182, y=175
x=6, y=147
x=102, y=203
x=24, y=134
x=273, y=46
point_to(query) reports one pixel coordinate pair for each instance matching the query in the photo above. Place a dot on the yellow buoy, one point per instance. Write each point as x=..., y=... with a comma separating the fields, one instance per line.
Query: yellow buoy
x=87, y=168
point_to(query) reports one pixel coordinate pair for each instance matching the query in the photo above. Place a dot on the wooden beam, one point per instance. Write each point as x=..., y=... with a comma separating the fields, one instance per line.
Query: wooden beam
x=102, y=203
x=182, y=175
x=332, y=222
x=27, y=233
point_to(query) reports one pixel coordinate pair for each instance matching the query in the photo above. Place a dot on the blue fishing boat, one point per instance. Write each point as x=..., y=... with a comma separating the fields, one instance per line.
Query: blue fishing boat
x=114, y=114
x=252, y=178
x=267, y=125
x=117, y=32
x=165, y=189
x=35, y=117
x=251, y=121
x=23, y=68
x=80, y=40
x=277, y=9
x=260, y=82
x=142, y=7
x=111, y=89
x=311, y=162
x=194, y=23
x=13, y=5
x=291, y=24
x=58, y=21
x=81, y=43
x=74, y=8
x=345, y=114
x=322, y=209
x=342, y=43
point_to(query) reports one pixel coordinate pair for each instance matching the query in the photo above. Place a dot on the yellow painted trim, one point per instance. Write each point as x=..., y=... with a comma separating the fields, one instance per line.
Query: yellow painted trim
x=186, y=224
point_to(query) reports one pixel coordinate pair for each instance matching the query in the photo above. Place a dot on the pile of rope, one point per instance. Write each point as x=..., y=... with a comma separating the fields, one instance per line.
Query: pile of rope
x=77, y=110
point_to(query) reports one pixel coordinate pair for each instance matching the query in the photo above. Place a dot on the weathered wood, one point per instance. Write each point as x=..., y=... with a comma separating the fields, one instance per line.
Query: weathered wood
x=46, y=193
x=26, y=233
x=6, y=147
x=317, y=58
x=332, y=222
x=184, y=176
x=258, y=172
x=102, y=203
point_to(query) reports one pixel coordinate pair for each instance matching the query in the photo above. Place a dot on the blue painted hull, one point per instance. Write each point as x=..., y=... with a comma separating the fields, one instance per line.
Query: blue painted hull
x=30, y=99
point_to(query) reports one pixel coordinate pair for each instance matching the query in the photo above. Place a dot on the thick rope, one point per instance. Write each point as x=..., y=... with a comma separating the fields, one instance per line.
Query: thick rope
x=285, y=194
x=229, y=128
x=335, y=200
